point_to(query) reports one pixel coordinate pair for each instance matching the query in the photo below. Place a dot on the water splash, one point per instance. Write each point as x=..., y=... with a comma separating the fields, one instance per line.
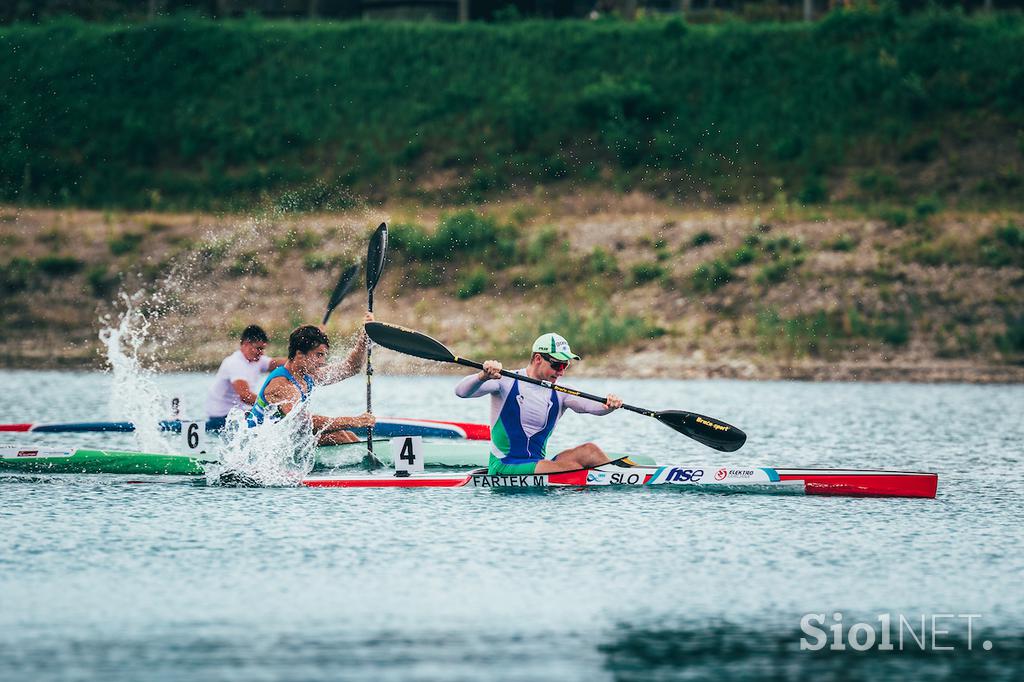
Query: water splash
x=272, y=454
x=134, y=395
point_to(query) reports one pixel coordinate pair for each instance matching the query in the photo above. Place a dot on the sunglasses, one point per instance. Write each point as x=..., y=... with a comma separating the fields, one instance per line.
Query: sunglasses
x=556, y=365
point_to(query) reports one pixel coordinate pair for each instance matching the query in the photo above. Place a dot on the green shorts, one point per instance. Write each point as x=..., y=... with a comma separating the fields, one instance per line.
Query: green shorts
x=511, y=466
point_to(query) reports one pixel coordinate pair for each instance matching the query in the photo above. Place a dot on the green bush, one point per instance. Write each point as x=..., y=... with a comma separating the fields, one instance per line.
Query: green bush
x=125, y=243
x=462, y=236
x=813, y=334
x=701, y=238
x=775, y=248
x=427, y=275
x=742, y=256
x=876, y=183
x=305, y=240
x=895, y=331
x=1012, y=342
x=597, y=332
x=894, y=217
x=642, y=273
x=100, y=282
x=778, y=270
x=16, y=275
x=248, y=263
x=813, y=190
x=467, y=234
x=708, y=277
x=473, y=283
x=922, y=150
x=926, y=207
x=250, y=112
x=601, y=262
x=315, y=261
x=823, y=333
x=59, y=266
x=843, y=243
x=408, y=241
x=1004, y=247
x=214, y=251
x=542, y=246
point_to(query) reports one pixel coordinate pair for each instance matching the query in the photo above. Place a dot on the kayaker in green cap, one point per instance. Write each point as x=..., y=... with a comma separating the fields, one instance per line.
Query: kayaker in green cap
x=523, y=416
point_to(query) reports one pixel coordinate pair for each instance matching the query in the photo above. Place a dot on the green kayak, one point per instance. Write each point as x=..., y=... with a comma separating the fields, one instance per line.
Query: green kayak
x=92, y=461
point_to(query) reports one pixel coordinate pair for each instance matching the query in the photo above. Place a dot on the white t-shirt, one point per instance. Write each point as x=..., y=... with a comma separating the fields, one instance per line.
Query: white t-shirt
x=222, y=395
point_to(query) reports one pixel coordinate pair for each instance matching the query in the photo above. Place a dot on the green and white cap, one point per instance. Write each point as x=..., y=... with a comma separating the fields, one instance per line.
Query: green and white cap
x=555, y=346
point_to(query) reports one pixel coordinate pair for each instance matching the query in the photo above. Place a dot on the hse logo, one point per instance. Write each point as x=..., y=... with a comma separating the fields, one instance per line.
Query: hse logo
x=724, y=473
x=717, y=427
x=684, y=476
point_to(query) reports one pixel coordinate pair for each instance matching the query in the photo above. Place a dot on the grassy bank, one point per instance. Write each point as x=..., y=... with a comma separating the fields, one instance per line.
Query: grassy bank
x=862, y=107
x=738, y=292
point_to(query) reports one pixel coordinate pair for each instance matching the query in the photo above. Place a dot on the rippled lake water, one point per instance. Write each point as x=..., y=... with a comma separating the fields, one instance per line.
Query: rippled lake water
x=101, y=579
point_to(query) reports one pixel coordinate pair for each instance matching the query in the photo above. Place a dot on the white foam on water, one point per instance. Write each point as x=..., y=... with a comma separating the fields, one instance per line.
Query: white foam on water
x=273, y=454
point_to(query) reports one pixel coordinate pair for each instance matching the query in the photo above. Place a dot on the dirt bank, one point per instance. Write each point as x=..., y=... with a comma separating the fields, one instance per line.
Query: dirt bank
x=649, y=289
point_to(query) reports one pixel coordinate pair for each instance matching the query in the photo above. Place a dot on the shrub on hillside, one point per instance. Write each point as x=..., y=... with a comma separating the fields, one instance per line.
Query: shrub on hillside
x=708, y=277
x=59, y=266
x=473, y=283
x=597, y=332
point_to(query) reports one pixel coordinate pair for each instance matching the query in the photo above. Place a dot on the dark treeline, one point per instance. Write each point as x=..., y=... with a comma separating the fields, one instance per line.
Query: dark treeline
x=192, y=113
x=488, y=10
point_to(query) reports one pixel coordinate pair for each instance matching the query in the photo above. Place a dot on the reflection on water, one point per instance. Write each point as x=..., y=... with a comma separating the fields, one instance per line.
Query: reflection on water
x=101, y=579
x=711, y=650
x=719, y=649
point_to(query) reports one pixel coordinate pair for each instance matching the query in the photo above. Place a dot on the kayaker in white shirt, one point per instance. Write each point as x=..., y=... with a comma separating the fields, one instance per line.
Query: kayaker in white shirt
x=238, y=375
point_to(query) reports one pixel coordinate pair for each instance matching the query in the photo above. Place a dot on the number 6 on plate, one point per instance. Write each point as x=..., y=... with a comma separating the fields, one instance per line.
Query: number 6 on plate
x=193, y=437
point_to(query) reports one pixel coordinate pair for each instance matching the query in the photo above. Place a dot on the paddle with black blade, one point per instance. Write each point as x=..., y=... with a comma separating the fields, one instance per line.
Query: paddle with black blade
x=375, y=255
x=341, y=289
x=711, y=432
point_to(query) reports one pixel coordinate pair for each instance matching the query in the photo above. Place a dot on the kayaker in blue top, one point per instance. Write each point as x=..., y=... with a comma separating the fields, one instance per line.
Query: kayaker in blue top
x=290, y=385
x=524, y=415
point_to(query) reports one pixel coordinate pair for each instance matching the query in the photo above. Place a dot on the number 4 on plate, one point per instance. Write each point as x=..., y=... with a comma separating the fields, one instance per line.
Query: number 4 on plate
x=407, y=453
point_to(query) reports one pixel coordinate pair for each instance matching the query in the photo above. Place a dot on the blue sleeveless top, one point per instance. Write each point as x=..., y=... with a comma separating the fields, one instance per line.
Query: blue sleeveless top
x=261, y=411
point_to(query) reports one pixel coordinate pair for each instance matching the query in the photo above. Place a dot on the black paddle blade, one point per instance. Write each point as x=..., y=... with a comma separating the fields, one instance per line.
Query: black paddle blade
x=711, y=432
x=408, y=341
x=375, y=255
x=342, y=288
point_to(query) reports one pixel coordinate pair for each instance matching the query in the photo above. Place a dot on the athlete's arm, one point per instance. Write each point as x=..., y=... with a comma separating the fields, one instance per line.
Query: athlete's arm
x=282, y=393
x=583, y=406
x=244, y=391
x=325, y=424
x=353, y=362
x=484, y=382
